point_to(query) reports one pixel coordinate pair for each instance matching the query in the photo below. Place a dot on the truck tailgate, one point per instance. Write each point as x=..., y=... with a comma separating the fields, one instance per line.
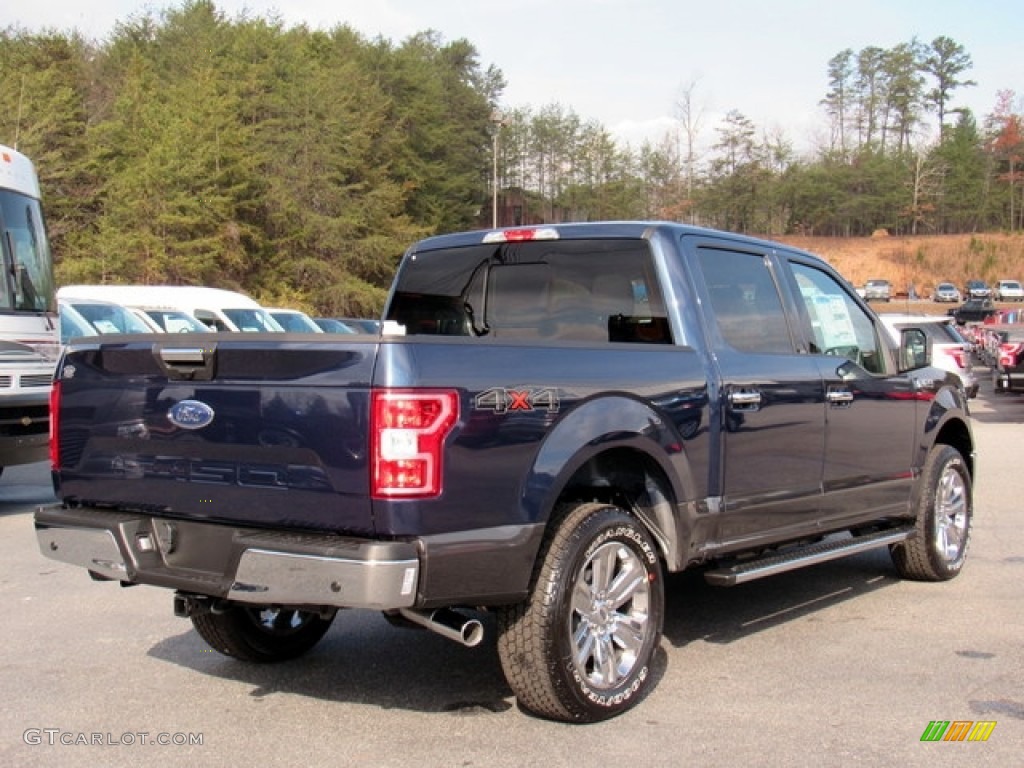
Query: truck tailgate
x=266, y=430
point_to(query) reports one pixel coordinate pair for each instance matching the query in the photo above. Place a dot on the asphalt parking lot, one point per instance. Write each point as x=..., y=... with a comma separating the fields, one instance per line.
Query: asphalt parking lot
x=840, y=664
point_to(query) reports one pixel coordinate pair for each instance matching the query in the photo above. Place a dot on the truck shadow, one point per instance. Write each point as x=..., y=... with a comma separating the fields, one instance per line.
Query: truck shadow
x=364, y=660
x=697, y=611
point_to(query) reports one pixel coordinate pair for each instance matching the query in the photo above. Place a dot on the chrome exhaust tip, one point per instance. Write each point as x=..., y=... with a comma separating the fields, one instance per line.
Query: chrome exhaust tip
x=448, y=623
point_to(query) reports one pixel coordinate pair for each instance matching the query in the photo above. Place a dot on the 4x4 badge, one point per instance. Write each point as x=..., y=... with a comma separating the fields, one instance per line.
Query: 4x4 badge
x=190, y=414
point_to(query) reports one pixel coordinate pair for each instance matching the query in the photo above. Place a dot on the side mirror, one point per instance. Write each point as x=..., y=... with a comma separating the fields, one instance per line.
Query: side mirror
x=915, y=350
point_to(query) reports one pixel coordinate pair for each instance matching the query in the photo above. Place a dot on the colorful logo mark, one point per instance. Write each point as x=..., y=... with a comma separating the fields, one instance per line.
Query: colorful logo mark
x=958, y=730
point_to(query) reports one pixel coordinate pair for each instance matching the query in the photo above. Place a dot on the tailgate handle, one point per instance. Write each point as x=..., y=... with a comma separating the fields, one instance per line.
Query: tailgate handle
x=189, y=363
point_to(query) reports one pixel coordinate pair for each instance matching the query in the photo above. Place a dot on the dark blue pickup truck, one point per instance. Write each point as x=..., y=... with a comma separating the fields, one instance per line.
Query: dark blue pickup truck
x=552, y=419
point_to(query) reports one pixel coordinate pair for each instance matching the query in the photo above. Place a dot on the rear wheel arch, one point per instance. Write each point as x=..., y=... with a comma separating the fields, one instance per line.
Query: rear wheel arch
x=633, y=480
x=619, y=450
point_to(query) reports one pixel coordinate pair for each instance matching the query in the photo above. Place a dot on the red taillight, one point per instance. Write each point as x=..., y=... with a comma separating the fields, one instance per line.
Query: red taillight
x=407, y=433
x=1009, y=354
x=959, y=355
x=54, y=425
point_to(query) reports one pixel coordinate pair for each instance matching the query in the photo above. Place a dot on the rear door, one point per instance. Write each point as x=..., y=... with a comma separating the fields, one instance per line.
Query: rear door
x=772, y=400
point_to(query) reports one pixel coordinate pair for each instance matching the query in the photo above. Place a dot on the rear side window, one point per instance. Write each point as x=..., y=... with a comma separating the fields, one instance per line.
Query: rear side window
x=746, y=302
x=569, y=290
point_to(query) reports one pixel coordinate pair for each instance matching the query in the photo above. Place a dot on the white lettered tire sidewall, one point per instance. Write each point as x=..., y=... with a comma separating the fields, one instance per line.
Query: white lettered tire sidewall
x=594, y=545
x=945, y=512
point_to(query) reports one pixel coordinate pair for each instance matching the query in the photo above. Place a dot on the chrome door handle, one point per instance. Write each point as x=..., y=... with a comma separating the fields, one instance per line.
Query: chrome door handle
x=746, y=399
x=839, y=397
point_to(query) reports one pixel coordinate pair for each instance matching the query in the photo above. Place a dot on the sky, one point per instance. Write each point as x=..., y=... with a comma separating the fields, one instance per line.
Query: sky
x=625, y=63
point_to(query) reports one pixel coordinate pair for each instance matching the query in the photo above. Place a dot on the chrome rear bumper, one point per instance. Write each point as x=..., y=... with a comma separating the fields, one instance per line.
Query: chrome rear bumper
x=240, y=564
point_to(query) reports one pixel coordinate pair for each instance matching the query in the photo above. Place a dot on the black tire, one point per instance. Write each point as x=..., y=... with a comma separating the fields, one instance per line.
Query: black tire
x=576, y=651
x=261, y=634
x=945, y=511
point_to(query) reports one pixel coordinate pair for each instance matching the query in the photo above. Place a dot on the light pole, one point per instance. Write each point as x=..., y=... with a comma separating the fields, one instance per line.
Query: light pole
x=498, y=120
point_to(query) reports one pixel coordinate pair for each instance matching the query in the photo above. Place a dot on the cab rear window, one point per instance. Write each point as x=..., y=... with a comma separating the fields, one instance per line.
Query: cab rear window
x=567, y=290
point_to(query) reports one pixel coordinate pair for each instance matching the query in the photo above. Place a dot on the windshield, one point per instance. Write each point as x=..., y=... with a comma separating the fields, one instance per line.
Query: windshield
x=73, y=325
x=109, y=318
x=253, y=320
x=175, y=321
x=28, y=271
x=296, y=322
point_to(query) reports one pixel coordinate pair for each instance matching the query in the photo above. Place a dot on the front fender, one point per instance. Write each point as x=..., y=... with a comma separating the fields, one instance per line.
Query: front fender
x=947, y=421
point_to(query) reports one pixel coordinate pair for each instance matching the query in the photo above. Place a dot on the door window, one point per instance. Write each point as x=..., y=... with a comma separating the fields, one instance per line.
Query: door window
x=746, y=302
x=838, y=324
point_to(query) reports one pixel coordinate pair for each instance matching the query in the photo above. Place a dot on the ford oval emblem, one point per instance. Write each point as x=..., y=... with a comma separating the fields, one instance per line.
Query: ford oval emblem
x=190, y=414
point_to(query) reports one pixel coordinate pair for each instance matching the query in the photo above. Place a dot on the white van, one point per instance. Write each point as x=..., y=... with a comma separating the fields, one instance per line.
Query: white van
x=218, y=309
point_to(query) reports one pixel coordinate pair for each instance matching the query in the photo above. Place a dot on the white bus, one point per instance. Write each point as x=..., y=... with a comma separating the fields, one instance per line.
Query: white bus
x=29, y=341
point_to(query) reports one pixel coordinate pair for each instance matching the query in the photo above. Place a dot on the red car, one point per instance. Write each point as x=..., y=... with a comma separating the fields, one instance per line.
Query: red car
x=1008, y=365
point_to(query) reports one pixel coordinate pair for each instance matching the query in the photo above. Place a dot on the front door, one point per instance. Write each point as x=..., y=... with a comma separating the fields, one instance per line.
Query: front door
x=871, y=412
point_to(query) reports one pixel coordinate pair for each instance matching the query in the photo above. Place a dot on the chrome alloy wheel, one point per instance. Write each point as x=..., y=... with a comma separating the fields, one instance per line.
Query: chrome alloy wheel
x=610, y=618
x=951, y=514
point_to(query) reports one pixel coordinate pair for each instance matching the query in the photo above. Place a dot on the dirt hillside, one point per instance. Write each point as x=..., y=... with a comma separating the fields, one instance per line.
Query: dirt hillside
x=920, y=261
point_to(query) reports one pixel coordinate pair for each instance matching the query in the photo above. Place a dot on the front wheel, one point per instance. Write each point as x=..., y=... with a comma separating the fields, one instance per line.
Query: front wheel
x=945, y=510
x=579, y=649
x=261, y=634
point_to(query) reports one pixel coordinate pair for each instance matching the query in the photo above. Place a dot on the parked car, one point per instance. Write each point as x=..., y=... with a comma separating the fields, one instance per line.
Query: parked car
x=361, y=324
x=977, y=289
x=973, y=311
x=92, y=317
x=1009, y=290
x=950, y=350
x=294, y=321
x=170, y=320
x=877, y=290
x=947, y=292
x=217, y=309
x=333, y=325
x=1008, y=367
x=991, y=333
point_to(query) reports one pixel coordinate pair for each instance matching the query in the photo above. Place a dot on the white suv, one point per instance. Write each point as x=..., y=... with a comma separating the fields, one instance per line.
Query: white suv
x=950, y=350
x=1009, y=290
